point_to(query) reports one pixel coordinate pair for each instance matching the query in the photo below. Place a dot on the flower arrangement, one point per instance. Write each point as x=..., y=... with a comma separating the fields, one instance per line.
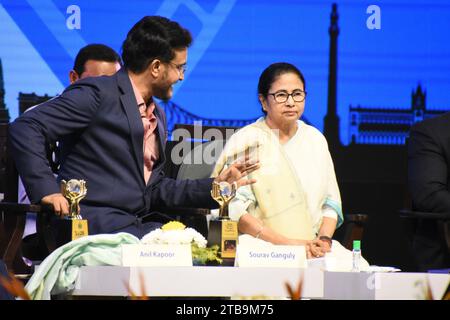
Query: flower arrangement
x=175, y=232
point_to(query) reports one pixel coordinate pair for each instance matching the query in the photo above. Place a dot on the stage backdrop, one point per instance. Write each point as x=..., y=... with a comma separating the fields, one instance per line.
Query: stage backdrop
x=384, y=51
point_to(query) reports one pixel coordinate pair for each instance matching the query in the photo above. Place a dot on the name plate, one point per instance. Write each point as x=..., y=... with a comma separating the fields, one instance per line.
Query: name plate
x=156, y=255
x=271, y=256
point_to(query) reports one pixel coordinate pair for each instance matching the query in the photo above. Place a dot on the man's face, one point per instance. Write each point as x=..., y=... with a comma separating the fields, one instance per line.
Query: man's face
x=95, y=68
x=172, y=73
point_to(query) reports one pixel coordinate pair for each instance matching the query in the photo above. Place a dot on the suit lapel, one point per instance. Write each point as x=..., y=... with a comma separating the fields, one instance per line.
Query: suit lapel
x=161, y=127
x=161, y=133
x=129, y=104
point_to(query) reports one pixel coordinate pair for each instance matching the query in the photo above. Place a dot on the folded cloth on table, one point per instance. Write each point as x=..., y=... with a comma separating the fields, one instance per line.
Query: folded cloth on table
x=58, y=272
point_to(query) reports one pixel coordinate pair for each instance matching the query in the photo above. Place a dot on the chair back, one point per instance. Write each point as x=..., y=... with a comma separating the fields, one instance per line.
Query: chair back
x=196, y=150
x=200, y=161
x=13, y=214
x=194, y=157
x=8, y=172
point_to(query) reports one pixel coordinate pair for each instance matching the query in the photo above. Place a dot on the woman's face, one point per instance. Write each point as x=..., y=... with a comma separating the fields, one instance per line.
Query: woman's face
x=281, y=114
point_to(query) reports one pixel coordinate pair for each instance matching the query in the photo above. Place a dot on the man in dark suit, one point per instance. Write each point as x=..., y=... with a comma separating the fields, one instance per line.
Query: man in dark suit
x=112, y=134
x=429, y=185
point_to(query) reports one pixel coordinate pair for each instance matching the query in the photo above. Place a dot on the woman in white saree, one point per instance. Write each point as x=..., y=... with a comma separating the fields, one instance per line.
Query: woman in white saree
x=295, y=200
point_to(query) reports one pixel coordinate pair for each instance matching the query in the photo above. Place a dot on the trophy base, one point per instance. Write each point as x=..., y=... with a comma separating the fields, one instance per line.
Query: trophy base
x=70, y=229
x=224, y=233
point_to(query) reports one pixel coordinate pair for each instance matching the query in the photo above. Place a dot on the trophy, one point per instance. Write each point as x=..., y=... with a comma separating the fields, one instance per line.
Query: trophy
x=73, y=226
x=222, y=231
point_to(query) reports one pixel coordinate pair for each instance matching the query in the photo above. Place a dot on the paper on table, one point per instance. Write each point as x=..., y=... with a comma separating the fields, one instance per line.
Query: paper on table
x=382, y=269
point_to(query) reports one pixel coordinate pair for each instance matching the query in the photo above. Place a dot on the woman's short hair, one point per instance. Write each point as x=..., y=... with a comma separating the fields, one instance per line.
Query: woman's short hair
x=272, y=72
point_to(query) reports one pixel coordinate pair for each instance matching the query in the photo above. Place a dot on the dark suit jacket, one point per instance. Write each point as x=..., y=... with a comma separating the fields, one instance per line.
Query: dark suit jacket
x=429, y=185
x=98, y=124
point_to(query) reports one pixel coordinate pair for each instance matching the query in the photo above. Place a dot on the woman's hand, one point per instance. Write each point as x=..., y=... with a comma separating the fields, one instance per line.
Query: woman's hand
x=315, y=248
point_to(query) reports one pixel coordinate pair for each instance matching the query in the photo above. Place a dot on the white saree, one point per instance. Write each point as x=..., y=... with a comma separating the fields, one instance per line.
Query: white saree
x=296, y=184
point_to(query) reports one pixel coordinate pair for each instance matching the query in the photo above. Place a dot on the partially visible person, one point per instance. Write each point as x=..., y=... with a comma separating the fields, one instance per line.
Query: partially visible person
x=296, y=199
x=429, y=186
x=93, y=60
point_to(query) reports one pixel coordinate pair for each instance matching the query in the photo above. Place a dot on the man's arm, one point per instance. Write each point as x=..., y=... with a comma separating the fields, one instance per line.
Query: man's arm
x=183, y=193
x=28, y=134
x=427, y=171
x=197, y=193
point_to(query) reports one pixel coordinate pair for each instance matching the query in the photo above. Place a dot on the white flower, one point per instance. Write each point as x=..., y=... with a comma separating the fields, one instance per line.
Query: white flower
x=186, y=236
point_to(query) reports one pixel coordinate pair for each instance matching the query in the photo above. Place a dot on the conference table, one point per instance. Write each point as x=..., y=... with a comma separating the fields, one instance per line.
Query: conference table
x=255, y=282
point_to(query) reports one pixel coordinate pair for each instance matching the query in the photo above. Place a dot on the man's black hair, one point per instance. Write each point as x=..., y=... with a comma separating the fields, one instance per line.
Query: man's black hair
x=153, y=37
x=98, y=52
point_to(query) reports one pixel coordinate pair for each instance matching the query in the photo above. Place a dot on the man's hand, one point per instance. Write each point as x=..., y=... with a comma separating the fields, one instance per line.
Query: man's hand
x=236, y=173
x=59, y=203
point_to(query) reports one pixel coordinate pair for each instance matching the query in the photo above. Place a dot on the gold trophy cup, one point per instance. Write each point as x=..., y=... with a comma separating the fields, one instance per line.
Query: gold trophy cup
x=222, y=231
x=72, y=226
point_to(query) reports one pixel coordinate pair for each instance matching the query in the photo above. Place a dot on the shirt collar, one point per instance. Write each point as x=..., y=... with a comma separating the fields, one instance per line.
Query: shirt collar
x=139, y=99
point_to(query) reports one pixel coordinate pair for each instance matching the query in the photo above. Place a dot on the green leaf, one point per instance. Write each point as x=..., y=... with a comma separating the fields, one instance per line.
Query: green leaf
x=204, y=255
